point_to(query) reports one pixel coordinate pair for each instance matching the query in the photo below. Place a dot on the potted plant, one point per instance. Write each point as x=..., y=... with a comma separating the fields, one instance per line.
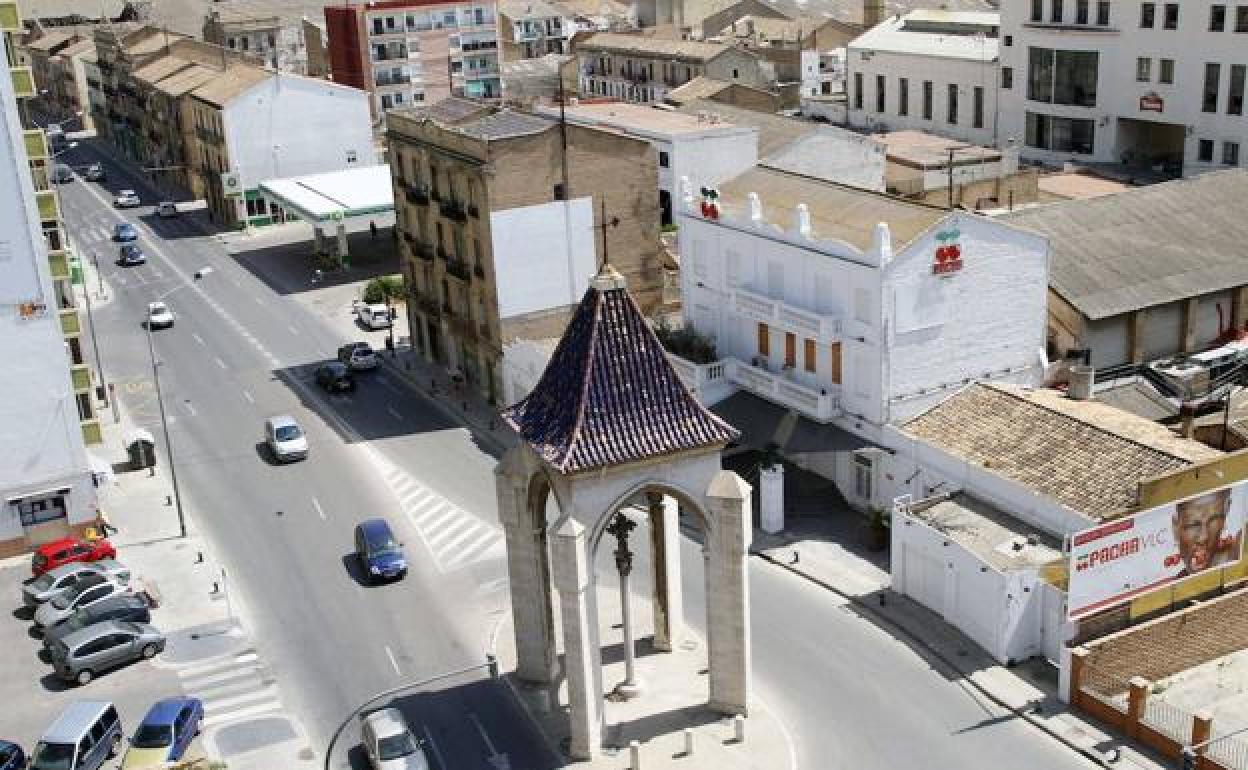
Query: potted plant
x=877, y=528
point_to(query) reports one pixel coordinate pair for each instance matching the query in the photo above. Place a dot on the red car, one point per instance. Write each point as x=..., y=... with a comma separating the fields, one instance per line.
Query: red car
x=52, y=555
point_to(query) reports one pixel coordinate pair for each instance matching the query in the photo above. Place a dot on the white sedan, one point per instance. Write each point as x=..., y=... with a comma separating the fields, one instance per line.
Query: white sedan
x=127, y=199
x=159, y=316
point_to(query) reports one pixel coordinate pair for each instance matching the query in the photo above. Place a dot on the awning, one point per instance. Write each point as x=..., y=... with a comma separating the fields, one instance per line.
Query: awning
x=762, y=423
x=334, y=196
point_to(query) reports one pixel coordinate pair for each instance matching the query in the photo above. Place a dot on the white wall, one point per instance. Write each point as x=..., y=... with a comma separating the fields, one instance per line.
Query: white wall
x=837, y=155
x=290, y=126
x=544, y=255
x=1118, y=92
x=41, y=444
x=710, y=159
x=941, y=71
x=523, y=364
x=983, y=322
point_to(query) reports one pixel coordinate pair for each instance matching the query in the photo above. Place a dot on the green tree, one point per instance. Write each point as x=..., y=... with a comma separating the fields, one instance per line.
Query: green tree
x=378, y=290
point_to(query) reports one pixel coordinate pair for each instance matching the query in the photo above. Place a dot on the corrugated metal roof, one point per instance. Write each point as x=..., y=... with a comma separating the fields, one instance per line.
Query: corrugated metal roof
x=505, y=124
x=1146, y=246
x=947, y=34
x=609, y=395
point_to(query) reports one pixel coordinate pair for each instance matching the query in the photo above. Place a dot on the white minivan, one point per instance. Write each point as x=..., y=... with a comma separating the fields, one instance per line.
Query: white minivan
x=374, y=316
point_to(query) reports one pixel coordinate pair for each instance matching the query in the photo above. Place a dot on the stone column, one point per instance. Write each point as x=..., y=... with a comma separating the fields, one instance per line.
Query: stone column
x=665, y=570
x=571, y=572
x=728, y=594
x=531, y=612
x=342, y=242
x=771, y=498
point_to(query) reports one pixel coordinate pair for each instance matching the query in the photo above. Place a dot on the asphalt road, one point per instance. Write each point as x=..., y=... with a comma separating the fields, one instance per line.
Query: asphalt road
x=237, y=354
x=851, y=695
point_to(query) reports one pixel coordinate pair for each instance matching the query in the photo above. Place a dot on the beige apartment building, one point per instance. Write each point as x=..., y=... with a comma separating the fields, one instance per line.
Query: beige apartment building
x=642, y=68
x=500, y=236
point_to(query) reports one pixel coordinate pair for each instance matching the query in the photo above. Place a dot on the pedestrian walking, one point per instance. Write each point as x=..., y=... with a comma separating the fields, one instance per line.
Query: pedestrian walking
x=372, y=229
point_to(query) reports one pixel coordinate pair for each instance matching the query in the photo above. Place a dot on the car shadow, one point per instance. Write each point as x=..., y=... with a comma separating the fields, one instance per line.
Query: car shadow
x=355, y=570
x=266, y=454
x=53, y=683
x=24, y=613
x=44, y=656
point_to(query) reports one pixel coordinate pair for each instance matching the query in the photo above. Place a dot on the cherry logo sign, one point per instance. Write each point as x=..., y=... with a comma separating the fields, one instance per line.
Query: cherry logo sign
x=948, y=254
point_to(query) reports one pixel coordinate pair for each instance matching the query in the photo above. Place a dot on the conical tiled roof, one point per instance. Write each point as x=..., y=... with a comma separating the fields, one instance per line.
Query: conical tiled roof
x=609, y=396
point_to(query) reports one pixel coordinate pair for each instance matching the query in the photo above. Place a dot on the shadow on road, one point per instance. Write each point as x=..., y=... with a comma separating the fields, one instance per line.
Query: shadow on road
x=289, y=267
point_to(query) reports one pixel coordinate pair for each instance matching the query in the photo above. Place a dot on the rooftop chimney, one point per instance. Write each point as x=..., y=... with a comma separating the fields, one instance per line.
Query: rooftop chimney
x=872, y=12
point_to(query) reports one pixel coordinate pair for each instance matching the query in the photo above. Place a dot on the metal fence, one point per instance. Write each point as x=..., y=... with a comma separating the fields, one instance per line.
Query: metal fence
x=1168, y=719
x=1231, y=752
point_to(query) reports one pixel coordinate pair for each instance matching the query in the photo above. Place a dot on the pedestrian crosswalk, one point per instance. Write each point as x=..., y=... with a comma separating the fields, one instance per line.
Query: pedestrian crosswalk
x=455, y=537
x=233, y=688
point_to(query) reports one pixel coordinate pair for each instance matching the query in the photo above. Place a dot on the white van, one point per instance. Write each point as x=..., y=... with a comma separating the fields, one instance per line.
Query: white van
x=374, y=316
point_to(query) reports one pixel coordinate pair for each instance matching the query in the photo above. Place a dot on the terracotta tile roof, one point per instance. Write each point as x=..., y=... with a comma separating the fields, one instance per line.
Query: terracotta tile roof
x=1088, y=456
x=641, y=45
x=609, y=395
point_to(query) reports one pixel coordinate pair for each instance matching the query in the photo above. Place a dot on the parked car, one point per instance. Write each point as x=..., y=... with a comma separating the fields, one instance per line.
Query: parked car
x=131, y=254
x=159, y=316
x=62, y=174
x=165, y=733
x=11, y=756
x=79, y=597
x=166, y=209
x=285, y=438
x=103, y=646
x=131, y=608
x=358, y=355
x=96, y=173
x=335, y=377
x=127, y=199
x=55, y=582
x=373, y=316
x=124, y=231
x=380, y=555
x=388, y=742
x=67, y=550
x=83, y=737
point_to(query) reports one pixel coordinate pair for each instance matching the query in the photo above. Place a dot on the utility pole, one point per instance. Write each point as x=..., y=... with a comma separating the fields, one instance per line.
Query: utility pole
x=612, y=222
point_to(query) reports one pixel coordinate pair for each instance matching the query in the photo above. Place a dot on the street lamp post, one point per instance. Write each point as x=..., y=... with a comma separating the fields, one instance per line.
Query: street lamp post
x=95, y=345
x=160, y=403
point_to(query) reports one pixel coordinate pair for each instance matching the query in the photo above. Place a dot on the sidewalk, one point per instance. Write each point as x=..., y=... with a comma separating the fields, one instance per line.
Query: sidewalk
x=1028, y=690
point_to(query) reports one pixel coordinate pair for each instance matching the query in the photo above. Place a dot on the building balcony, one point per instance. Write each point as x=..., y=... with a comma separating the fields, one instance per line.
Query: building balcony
x=417, y=194
x=91, y=433
x=58, y=265
x=424, y=251
x=10, y=17
x=478, y=270
x=459, y=269
x=781, y=315
x=49, y=210
x=81, y=377
x=36, y=144
x=23, y=82
x=453, y=209
x=480, y=45
x=473, y=211
x=527, y=35
x=393, y=80
x=71, y=326
x=714, y=381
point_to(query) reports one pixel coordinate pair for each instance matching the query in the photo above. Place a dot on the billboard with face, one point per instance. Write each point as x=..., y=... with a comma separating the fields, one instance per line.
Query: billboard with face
x=1120, y=559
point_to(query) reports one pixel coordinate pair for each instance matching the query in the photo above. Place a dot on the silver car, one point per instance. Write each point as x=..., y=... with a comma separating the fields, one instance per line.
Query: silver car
x=83, y=654
x=285, y=438
x=389, y=743
x=55, y=582
x=52, y=612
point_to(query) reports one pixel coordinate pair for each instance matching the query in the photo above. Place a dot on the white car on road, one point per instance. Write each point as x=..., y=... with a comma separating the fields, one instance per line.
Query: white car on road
x=389, y=744
x=373, y=316
x=159, y=316
x=127, y=199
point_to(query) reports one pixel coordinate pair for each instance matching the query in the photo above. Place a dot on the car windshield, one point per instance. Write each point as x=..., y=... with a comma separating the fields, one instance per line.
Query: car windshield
x=159, y=308
x=396, y=746
x=61, y=602
x=386, y=547
x=53, y=756
x=43, y=582
x=152, y=737
x=288, y=432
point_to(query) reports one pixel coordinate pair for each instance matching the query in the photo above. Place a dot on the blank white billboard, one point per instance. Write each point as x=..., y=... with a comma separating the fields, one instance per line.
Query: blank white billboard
x=544, y=255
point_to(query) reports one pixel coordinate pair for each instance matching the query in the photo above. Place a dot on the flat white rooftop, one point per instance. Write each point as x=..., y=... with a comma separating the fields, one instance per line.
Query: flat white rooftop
x=335, y=195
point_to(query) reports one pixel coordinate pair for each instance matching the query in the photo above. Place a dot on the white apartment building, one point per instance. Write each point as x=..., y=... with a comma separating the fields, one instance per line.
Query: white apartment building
x=701, y=148
x=530, y=29
x=1157, y=84
x=46, y=485
x=928, y=70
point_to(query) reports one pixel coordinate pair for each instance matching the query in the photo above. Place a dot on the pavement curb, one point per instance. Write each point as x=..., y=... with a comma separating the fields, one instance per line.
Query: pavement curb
x=448, y=410
x=1091, y=755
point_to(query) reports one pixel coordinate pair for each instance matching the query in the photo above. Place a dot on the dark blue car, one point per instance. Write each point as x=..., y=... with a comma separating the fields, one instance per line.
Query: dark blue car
x=165, y=733
x=124, y=231
x=131, y=254
x=11, y=756
x=379, y=553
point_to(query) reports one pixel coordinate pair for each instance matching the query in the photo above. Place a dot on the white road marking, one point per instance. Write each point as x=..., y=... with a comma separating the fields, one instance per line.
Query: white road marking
x=257, y=300
x=247, y=396
x=199, y=339
x=189, y=408
x=394, y=413
x=220, y=363
x=293, y=330
x=319, y=510
x=393, y=662
x=434, y=745
x=385, y=383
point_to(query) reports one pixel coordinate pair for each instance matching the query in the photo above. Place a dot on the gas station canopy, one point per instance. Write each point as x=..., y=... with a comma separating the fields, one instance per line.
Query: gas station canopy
x=335, y=196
